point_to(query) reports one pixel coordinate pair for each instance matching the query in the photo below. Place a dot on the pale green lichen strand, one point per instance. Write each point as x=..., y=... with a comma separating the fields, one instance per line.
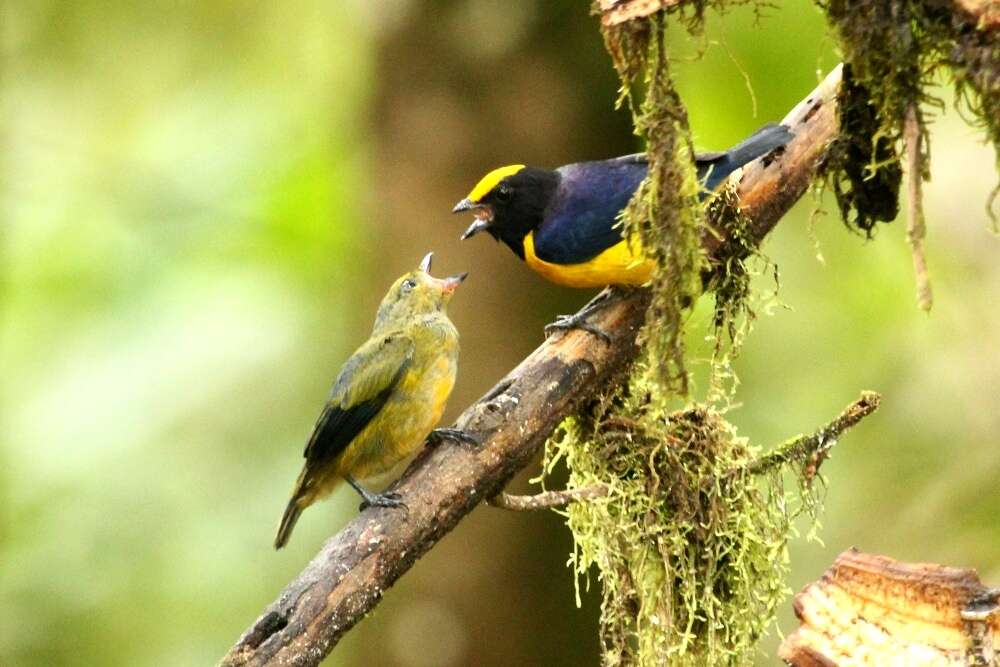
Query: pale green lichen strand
x=690, y=548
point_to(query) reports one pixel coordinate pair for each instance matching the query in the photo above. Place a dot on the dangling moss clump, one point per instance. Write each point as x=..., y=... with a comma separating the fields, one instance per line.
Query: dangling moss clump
x=871, y=194
x=664, y=218
x=738, y=260
x=689, y=545
x=893, y=49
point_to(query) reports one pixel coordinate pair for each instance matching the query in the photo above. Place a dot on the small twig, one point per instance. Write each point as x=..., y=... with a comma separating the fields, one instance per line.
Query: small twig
x=818, y=445
x=349, y=576
x=547, y=499
x=916, y=226
x=619, y=423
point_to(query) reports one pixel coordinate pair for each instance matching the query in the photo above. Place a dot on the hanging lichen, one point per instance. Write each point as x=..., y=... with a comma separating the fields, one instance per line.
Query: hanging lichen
x=737, y=262
x=893, y=50
x=690, y=540
x=690, y=551
x=664, y=218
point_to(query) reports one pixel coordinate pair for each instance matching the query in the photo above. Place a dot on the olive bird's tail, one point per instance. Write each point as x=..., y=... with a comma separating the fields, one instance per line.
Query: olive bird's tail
x=292, y=513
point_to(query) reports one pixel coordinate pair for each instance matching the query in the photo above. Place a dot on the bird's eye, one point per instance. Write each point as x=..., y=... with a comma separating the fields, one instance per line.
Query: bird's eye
x=503, y=193
x=408, y=285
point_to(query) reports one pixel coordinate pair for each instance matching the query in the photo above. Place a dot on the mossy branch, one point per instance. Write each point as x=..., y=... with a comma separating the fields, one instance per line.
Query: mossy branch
x=811, y=451
x=352, y=571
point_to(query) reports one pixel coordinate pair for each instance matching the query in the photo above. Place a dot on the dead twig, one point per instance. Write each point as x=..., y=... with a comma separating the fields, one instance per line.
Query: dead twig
x=916, y=225
x=816, y=447
x=352, y=571
x=546, y=500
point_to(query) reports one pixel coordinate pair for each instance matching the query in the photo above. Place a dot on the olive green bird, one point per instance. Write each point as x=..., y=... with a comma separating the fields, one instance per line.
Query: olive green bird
x=388, y=397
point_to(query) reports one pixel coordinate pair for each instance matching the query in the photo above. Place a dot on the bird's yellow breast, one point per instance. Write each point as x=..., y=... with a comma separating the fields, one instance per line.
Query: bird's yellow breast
x=618, y=265
x=414, y=409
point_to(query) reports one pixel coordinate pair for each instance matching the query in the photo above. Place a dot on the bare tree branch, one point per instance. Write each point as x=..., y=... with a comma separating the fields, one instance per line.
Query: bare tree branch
x=349, y=575
x=546, y=500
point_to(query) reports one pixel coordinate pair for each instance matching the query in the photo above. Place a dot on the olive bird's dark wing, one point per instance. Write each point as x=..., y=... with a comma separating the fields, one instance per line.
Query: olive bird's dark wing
x=362, y=389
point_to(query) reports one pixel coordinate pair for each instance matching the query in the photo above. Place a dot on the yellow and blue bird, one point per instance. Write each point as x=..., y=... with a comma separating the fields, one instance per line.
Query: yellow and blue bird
x=565, y=223
x=388, y=397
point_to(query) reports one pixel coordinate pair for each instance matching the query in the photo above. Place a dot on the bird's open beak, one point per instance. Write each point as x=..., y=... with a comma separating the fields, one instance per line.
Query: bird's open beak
x=425, y=263
x=451, y=283
x=464, y=205
x=477, y=226
x=484, y=216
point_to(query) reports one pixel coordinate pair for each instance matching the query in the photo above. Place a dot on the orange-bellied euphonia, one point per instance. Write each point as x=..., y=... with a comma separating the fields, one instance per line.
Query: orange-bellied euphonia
x=565, y=223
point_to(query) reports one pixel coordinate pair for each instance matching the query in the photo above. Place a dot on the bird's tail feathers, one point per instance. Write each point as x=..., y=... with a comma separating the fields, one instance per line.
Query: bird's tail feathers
x=300, y=500
x=291, y=515
x=761, y=142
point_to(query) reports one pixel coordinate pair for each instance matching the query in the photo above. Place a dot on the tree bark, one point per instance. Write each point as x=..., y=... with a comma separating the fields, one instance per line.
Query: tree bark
x=873, y=610
x=349, y=575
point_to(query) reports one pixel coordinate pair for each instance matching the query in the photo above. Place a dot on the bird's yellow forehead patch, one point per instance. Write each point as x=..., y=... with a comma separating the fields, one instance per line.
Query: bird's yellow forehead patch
x=490, y=180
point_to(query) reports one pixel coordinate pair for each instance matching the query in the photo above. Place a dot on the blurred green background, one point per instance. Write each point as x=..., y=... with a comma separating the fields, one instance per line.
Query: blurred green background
x=202, y=203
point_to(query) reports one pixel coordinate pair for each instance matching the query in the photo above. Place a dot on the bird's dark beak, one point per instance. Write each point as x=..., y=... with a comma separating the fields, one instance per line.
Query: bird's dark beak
x=425, y=263
x=477, y=226
x=451, y=283
x=483, y=212
x=464, y=205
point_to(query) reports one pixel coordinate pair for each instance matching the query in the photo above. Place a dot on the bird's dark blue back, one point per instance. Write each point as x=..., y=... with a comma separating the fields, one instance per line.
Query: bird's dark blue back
x=582, y=219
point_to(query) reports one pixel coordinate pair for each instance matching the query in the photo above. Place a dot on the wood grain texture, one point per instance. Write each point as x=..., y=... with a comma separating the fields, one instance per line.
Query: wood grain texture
x=873, y=610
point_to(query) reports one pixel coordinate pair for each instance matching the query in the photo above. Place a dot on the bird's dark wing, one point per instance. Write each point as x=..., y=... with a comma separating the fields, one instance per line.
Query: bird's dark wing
x=642, y=158
x=362, y=389
x=582, y=220
x=713, y=168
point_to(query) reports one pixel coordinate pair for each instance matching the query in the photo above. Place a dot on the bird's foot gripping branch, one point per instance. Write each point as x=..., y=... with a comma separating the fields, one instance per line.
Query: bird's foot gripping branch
x=352, y=571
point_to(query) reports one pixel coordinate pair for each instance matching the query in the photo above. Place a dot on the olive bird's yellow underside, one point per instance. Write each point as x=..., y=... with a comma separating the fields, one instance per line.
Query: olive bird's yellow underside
x=621, y=264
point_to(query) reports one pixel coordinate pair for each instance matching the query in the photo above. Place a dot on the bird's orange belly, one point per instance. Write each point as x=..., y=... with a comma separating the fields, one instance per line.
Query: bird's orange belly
x=618, y=265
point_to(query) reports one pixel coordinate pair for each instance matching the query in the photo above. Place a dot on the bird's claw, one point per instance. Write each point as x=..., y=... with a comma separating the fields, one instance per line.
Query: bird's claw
x=386, y=499
x=567, y=322
x=439, y=435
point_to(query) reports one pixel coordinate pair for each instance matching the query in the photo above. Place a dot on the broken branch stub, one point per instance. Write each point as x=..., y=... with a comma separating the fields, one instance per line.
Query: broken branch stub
x=873, y=610
x=352, y=571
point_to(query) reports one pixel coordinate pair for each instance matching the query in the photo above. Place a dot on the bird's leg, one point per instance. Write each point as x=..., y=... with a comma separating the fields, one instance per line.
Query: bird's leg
x=578, y=320
x=439, y=435
x=387, y=499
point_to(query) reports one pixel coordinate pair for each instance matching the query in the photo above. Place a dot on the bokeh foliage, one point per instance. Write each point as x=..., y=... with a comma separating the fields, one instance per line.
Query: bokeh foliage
x=201, y=205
